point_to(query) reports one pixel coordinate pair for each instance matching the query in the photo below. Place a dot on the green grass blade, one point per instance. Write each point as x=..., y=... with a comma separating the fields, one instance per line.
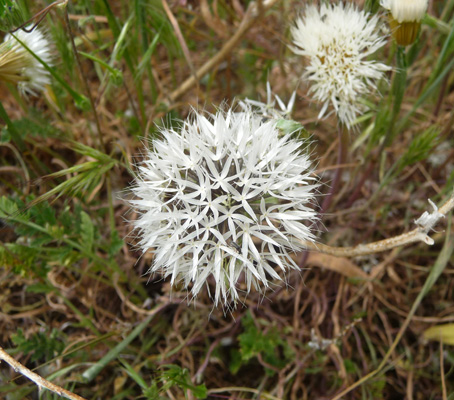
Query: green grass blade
x=93, y=371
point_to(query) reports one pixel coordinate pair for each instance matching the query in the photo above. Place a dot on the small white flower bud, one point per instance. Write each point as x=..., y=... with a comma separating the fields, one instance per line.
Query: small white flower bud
x=406, y=10
x=405, y=18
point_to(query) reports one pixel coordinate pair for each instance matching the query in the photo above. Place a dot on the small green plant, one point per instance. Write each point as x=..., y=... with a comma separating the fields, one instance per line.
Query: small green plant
x=41, y=346
x=166, y=377
x=253, y=342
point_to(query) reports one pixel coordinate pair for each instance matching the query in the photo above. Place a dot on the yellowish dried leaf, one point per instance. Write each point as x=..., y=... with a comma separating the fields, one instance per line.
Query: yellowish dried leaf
x=444, y=333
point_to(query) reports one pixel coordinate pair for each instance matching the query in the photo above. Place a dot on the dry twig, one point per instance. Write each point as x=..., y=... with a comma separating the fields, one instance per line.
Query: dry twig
x=252, y=14
x=425, y=223
x=38, y=380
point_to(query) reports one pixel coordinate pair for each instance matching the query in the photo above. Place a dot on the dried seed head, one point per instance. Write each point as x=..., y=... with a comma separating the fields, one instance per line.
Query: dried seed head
x=19, y=66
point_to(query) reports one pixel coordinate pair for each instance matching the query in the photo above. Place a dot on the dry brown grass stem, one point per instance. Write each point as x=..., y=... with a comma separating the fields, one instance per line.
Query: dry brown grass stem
x=37, y=379
x=243, y=389
x=442, y=372
x=180, y=37
x=253, y=13
x=419, y=234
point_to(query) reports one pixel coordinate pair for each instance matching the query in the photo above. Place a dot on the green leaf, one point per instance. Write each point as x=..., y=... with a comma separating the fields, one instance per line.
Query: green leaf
x=39, y=288
x=134, y=375
x=87, y=175
x=11, y=132
x=115, y=75
x=22, y=259
x=87, y=231
x=8, y=208
x=35, y=127
x=42, y=345
x=200, y=391
x=43, y=214
x=289, y=126
x=174, y=375
x=114, y=353
x=116, y=243
x=147, y=57
x=236, y=361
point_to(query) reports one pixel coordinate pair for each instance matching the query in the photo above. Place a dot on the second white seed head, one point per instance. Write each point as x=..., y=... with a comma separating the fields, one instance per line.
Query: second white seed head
x=338, y=40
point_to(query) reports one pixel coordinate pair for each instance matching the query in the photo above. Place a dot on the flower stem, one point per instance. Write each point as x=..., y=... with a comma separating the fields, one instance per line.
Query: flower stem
x=398, y=91
x=341, y=155
x=366, y=174
x=342, y=149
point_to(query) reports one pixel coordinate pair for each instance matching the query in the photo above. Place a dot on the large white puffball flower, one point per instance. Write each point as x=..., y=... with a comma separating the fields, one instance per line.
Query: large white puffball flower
x=225, y=197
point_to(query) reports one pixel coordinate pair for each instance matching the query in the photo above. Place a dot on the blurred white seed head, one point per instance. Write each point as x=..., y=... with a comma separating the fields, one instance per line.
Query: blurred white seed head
x=225, y=198
x=19, y=66
x=338, y=40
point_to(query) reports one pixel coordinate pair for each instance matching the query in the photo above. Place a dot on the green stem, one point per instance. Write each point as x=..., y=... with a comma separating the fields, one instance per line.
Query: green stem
x=341, y=156
x=84, y=80
x=436, y=23
x=92, y=372
x=398, y=91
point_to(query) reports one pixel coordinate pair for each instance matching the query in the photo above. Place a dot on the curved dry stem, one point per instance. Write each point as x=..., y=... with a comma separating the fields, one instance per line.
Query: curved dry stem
x=38, y=380
x=252, y=14
x=425, y=223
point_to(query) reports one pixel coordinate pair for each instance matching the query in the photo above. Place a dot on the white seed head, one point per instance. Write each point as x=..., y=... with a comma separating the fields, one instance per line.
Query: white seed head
x=30, y=75
x=406, y=10
x=338, y=40
x=227, y=198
